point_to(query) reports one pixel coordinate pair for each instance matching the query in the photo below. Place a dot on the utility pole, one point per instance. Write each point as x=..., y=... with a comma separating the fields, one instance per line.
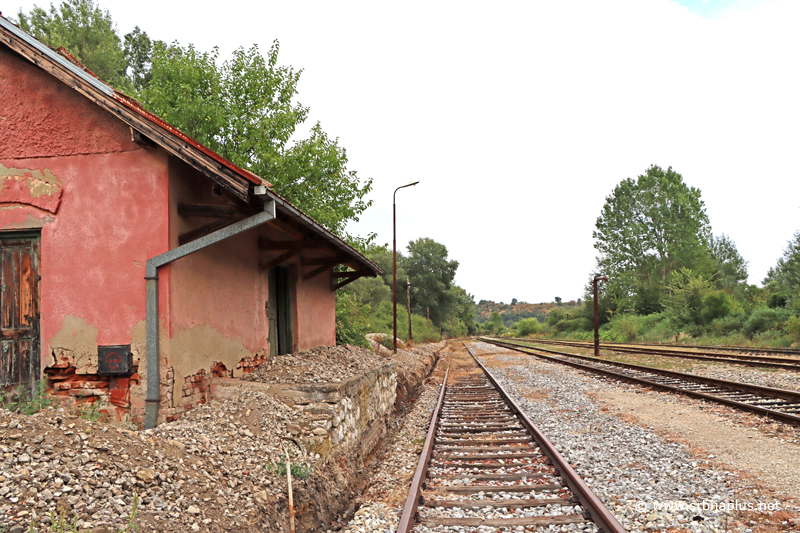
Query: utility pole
x=596, y=315
x=394, y=261
x=408, y=288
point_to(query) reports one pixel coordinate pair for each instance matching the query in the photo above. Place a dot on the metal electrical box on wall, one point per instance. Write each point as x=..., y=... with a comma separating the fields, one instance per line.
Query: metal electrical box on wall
x=114, y=360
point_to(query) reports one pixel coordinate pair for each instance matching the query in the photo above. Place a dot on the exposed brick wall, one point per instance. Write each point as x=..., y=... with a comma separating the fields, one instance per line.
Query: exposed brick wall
x=112, y=391
x=115, y=392
x=249, y=364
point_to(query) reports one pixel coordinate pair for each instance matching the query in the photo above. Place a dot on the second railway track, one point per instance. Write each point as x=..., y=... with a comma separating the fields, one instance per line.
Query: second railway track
x=780, y=404
x=484, y=463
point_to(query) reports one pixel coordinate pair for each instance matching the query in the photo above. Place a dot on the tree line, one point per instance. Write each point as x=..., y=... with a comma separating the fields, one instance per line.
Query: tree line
x=671, y=278
x=439, y=307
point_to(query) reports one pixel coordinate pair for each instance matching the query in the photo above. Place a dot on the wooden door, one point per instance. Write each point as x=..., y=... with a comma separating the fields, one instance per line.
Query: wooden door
x=19, y=316
x=279, y=311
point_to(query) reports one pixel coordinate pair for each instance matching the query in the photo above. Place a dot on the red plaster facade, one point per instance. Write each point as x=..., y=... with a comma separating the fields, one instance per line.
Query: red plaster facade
x=102, y=205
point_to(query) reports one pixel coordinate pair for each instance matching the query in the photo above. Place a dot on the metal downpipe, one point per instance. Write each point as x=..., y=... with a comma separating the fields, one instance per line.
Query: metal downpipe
x=153, y=395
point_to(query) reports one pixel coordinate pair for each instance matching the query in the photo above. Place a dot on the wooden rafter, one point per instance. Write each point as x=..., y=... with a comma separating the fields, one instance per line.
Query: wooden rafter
x=214, y=211
x=281, y=259
x=269, y=244
x=204, y=230
x=349, y=278
x=324, y=264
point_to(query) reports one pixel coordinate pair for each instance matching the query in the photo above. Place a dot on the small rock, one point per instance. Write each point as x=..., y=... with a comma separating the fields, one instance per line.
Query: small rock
x=146, y=475
x=193, y=509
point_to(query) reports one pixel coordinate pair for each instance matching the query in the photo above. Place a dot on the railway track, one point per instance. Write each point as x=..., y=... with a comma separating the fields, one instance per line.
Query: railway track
x=788, y=352
x=786, y=363
x=780, y=404
x=484, y=463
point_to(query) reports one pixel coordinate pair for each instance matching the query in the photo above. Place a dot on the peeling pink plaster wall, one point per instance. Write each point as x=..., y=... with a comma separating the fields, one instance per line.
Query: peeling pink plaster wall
x=112, y=215
x=218, y=294
x=316, y=313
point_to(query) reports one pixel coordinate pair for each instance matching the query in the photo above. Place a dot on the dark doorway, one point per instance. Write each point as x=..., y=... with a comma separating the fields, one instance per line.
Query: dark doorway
x=19, y=316
x=279, y=311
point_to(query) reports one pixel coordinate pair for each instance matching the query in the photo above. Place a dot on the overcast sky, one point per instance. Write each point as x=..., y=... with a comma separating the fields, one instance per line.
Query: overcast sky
x=519, y=117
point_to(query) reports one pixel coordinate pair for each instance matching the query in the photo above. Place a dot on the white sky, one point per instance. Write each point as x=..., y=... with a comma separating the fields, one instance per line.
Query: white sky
x=520, y=117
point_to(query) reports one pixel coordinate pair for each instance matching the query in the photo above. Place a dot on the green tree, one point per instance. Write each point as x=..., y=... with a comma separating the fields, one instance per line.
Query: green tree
x=496, y=322
x=246, y=111
x=729, y=267
x=138, y=54
x=432, y=275
x=688, y=290
x=85, y=31
x=784, y=277
x=649, y=228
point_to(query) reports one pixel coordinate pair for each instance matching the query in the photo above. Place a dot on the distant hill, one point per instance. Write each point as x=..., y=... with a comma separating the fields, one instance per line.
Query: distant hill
x=516, y=311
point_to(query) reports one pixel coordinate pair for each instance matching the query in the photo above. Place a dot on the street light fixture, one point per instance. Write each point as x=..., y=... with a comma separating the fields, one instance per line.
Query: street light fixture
x=394, y=259
x=596, y=315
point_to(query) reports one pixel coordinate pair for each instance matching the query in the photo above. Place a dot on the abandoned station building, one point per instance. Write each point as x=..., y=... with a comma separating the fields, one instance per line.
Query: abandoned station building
x=137, y=263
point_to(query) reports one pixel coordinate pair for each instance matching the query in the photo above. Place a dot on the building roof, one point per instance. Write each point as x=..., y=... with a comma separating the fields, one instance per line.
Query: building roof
x=241, y=183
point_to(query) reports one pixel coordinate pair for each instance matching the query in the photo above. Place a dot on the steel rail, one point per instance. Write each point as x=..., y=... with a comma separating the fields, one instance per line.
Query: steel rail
x=407, y=518
x=598, y=512
x=790, y=354
x=748, y=360
x=732, y=386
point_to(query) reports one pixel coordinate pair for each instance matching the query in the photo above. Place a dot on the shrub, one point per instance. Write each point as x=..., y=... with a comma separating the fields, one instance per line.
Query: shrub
x=573, y=324
x=716, y=304
x=729, y=324
x=528, y=326
x=764, y=319
x=777, y=300
x=352, y=319
x=555, y=316
x=793, y=327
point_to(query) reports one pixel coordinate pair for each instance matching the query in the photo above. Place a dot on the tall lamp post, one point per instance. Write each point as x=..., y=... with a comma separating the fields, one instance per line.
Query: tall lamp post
x=408, y=300
x=596, y=315
x=394, y=259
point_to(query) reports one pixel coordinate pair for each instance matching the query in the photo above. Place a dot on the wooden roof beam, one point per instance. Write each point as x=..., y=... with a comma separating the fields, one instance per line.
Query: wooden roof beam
x=325, y=264
x=281, y=259
x=215, y=211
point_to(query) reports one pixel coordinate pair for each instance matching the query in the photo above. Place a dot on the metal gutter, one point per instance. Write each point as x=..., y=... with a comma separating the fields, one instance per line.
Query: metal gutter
x=153, y=397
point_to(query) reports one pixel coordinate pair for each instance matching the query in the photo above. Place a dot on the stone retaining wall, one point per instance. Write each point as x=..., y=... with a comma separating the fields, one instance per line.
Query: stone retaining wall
x=349, y=417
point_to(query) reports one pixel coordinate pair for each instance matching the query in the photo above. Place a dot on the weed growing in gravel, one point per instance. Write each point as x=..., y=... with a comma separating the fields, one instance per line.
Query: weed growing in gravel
x=59, y=523
x=18, y=401
x=299, y=470
x=131, y=518
x=91, y=412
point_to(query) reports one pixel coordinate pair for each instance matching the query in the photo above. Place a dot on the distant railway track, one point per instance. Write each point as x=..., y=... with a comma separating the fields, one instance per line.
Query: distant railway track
x=780, y=404
x=484, y=463
x=718, y=350
x=787, y=363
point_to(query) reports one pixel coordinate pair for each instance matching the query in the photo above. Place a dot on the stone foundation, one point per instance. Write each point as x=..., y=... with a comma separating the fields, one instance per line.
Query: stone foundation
x=349, y=417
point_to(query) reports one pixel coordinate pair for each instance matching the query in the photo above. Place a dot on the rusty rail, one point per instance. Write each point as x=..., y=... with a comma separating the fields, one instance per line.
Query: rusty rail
x=593, y=508
x=414, y=493
x=786, y=363
x=598, y=512
x=731, y=386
